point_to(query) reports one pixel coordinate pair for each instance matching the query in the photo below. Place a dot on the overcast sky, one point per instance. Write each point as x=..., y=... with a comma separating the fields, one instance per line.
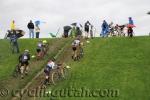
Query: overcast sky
x=58, y=13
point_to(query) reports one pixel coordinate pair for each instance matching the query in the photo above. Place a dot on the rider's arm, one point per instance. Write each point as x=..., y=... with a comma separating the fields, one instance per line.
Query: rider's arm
x=28, y=56
x=20, y=57
x=53, y=65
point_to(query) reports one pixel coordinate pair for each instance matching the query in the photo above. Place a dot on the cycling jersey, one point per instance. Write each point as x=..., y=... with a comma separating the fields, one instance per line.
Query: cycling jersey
x=51, y=64
x=40, y=45
x=76, y=43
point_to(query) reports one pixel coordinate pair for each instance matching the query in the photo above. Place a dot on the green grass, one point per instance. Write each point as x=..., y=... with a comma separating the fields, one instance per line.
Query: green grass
x=113, y=63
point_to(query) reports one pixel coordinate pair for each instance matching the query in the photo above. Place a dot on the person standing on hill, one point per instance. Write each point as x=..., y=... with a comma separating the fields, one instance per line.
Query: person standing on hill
x=14, y=42
x=105, y=29
x=87, y=28
x=13, y=38
x=31, y=29
x=12, y=26
x=130, y=27
x=37, y=31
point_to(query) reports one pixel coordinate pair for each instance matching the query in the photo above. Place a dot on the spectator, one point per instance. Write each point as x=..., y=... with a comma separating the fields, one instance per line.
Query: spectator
x=105, y=29
x=14, y=42
x=37, y=30
x=31, y=29
x=87, y=28
x=66, y=31
x=13, y=26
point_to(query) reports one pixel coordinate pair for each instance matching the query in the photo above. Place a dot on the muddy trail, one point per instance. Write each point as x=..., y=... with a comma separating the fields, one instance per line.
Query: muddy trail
x=63, y=55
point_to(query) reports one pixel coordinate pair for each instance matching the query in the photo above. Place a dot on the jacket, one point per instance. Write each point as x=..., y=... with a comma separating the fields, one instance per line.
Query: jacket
x=30, y=25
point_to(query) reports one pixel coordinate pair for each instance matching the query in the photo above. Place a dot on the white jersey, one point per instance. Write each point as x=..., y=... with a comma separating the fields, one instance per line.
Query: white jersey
x=39, y=45
x=25, y=57
x=51, y=64
x=76, y=42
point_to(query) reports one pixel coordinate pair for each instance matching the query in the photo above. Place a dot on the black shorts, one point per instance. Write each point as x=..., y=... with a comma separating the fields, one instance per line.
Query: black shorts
x=74, y=48
x=38, y=50
x=26, y=63
x=47, y=71
x=87, y=30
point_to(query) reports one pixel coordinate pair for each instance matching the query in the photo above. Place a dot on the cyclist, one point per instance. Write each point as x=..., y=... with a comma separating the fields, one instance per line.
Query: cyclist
x=39, y=49
x=75, y=46
x=45, y=46
x=24, y=62
x=50, y=65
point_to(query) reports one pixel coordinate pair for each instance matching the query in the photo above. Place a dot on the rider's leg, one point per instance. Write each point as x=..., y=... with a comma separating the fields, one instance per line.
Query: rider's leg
x=46, y=79
x=22, y=71
x=75, y=53
x=61, y=71
x=26, y=67
x=16, y=46
x=13, y=48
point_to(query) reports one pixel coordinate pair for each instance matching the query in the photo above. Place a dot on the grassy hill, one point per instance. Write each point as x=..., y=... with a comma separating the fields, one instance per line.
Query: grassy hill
x=118, y=64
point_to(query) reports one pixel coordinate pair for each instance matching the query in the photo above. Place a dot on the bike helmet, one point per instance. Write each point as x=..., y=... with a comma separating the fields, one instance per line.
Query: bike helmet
x=44, y=41
x=26, y=50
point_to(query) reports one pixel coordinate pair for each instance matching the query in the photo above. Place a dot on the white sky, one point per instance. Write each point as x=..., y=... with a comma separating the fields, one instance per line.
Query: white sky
x=58, y=13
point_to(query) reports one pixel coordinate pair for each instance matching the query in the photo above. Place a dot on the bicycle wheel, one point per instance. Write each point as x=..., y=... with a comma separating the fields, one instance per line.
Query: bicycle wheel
x=81, y=53
x=66, y=73
x=16, y=71
x=54, y=77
